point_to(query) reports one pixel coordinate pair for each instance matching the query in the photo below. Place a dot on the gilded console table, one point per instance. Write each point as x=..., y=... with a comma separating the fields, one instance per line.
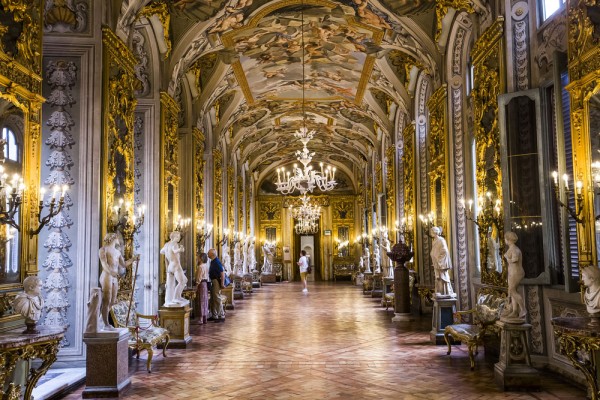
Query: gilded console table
x=578, y=334
x=15, y=346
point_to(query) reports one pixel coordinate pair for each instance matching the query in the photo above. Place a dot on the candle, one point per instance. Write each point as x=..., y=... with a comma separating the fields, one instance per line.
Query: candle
x=579, y=186
x=566, y=179
x=64, y=190
x=42, y=194
x=555, y=177
x=470, y=204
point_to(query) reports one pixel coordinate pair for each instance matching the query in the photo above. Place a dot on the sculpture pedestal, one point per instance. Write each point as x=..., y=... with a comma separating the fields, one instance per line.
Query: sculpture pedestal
x=107, y=363
x=358, y=279
x=256, y=283
x=443, y=315
x=228, y=292
x=401, y=295
x=514, y=370
x=268, y=278
x=177, y=321
x=238, y=293
x=377, y=291
x=367, y=282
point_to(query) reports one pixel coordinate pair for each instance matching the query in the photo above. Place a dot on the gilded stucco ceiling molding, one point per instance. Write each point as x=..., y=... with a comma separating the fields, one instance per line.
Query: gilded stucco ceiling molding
x=66, y=16
x=160, y=9
x=489, y=82
x=468, y=6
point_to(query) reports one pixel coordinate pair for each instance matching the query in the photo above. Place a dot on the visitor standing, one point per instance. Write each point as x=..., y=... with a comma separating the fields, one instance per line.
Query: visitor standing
x=202, y=280
x=303, y=264
x=216, y=274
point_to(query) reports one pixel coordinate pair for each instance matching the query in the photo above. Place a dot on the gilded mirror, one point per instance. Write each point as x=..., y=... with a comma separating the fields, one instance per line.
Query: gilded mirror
x=170, y=209
x=594, y=126
x=11, y=135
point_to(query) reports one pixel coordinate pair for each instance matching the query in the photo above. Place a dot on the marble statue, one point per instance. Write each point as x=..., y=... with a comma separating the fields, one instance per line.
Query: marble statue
x=361, y=265
x=93, y=323
x=226, y=260
x=251, y=257
x=245, y=255
x=113, y=265
x=237, y=259
x=515, y=308
x=367, y=257
x=440, y=256
x=268, y=253
x=176, y=279
x=591, y=280
x=29, y=303
x=376, y=260
x=387, y=247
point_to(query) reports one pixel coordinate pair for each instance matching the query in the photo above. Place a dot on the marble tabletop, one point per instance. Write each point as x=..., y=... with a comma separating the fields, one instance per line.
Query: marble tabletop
x=16, y=337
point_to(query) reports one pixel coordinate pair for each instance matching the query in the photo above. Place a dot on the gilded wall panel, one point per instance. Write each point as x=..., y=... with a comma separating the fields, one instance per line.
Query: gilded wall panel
x=409, y=182
x=438, y=159
x=218, y=192
x=198, y=181
x=489, y=82
x=390, y=185
x=343, y=210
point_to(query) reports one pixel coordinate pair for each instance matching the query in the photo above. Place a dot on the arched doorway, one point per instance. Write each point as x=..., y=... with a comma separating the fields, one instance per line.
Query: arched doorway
x=312, y=245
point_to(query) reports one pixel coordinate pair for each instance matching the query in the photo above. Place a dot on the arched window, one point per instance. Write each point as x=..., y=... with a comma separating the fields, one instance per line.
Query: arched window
x=11, y=148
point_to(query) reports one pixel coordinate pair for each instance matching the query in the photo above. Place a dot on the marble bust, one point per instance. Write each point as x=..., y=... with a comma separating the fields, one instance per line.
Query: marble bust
x=591, y=280
x=30, y=302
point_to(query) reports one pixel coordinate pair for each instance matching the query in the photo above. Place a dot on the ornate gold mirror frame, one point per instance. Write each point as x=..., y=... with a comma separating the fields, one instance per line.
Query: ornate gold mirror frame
x=118, y=139
x=584, y=75
x=342, y=210
x=270, y=209
x=438, y=160
x=169, y=169
x=408, y=184
x=198, y=167
x=21, y=86
x=489, y=82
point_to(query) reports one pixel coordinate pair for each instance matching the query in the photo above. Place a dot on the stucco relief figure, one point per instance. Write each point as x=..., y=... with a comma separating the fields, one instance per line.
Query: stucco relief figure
x=226, y=260
x=442, y=264
x=113, y=265
x=245, y=255
x=30, y=302
x=515, y=308
x=376, y=260
x=268, y=255
x=251, y=257
x=176, y=279
x=367, y=258
x=93, y=323
x=237, y=259
x=591, y=280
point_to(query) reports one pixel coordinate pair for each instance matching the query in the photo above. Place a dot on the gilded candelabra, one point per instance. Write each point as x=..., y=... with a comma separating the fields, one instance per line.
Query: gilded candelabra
x=404, y=230
x=225, y=238
x=237, y=237
x=124, y=220
x=11, y=197
x=427, y=222
x=574, y=213
x=487, y=214
x=363, y=239
x=181, y=226
x=54, y=208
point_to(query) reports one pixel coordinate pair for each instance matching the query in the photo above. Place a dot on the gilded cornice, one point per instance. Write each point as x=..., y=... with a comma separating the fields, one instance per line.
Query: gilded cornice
x=484, y=44
x=117, y=51
x=161, y=10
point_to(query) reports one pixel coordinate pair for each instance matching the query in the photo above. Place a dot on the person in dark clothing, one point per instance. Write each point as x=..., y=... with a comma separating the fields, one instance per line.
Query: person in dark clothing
x=216, y=273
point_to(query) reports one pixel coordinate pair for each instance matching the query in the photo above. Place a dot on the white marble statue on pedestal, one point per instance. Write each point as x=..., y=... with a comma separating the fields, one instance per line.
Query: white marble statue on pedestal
x=591, y=280
x=268, y=255
x=367, y=257
x=93, y=322
x=176, y=279
x=29, y=303
x=237, y=259
x=440, y=256
x=226, y=259
x=515, y=307
x=251, y=257
x=113, y=265
x=376, y=260
x=245, y=255
x=386, y=245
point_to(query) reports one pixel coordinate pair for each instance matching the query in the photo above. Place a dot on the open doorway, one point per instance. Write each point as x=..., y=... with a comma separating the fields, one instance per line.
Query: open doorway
x=312, y=245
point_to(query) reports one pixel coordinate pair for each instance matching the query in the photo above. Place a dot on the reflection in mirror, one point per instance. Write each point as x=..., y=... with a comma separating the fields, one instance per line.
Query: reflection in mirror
x=594, y=110
x=494, y=261
x=438, y=201
x=271, y=234
x=170, y=205
x=11, y=126
x=343, y=235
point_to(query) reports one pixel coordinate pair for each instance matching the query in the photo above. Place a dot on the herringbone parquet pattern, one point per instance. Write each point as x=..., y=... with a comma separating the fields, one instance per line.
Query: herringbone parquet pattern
x=332, y=343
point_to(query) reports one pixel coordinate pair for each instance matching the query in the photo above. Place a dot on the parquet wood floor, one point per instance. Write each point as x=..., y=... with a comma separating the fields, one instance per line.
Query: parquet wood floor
x=332, y=343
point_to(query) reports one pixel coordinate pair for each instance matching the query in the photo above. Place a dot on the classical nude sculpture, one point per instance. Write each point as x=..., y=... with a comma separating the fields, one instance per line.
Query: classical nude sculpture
x=176, y=279
x=113, y=265
x=515, y=309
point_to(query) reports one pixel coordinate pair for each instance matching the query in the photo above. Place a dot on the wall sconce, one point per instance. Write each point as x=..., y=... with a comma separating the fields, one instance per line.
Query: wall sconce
x=53, y=207
x=488, y=212
x=181, y=225
x=575, y=214
x=225, y=238
x=11, y=197
x=427, y=222
x=124, y=220
x=237, y=237
x=203, y=232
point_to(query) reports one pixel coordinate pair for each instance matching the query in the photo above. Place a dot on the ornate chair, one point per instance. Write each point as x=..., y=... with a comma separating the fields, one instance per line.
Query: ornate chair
x=143, y=336
x=485, y=314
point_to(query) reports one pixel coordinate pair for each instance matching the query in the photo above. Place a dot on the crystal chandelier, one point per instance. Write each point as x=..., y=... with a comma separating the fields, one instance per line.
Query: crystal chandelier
x=304, y=179
x=307, y=217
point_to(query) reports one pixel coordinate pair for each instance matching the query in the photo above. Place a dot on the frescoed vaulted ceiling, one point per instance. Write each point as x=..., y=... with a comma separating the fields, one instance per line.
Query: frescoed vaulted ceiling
x=258, y=70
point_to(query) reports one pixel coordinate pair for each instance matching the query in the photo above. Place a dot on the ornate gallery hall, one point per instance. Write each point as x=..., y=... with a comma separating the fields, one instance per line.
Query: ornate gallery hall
x=299, y=199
